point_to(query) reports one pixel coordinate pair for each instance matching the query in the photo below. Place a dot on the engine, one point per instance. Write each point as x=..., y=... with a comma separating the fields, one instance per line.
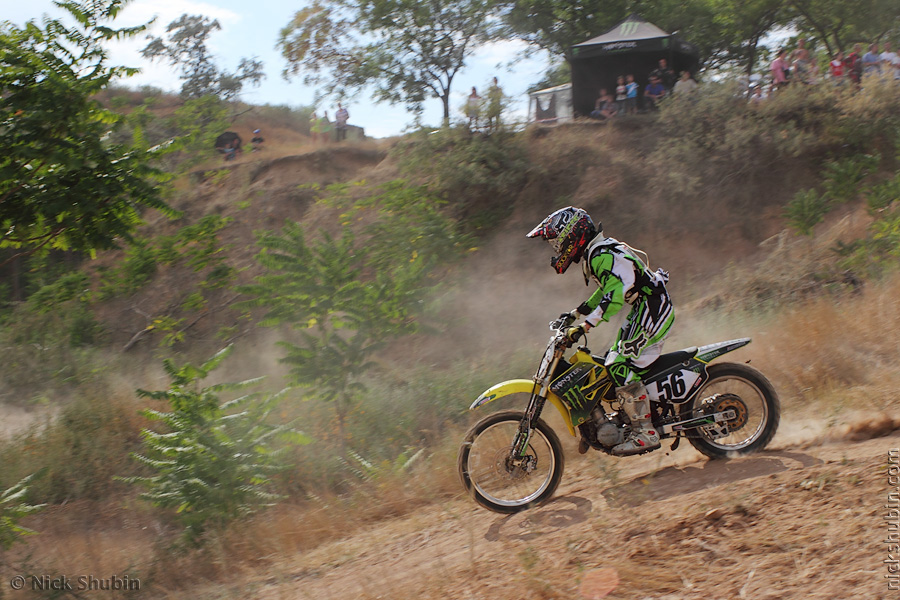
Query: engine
x=602, y=432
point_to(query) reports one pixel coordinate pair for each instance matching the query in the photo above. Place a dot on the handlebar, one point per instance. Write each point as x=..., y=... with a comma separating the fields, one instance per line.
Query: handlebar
x=563, y=321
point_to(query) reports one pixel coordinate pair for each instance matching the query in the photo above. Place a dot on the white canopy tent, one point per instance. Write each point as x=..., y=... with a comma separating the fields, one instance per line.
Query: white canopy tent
x=551, y=105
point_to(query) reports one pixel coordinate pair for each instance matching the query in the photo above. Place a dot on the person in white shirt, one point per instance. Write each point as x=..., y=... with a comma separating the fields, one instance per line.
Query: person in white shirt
x=685, y=85
x=890, y=62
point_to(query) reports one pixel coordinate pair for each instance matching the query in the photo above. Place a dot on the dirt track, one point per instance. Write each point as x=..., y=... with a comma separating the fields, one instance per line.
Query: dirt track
x=787, y=523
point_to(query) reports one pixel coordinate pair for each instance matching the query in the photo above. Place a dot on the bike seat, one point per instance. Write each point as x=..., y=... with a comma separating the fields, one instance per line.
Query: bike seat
x=667, y=361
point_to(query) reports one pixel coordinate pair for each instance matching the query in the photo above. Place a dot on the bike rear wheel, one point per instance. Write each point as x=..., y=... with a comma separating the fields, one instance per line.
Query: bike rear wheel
x=746, y=391
x=489, y=477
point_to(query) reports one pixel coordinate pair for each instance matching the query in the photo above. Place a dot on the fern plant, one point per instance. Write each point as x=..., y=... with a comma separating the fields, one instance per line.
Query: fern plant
x=12, y=508
x=214, y=460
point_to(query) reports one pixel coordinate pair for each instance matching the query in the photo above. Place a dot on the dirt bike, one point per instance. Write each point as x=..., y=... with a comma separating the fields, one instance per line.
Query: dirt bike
x=512, y=460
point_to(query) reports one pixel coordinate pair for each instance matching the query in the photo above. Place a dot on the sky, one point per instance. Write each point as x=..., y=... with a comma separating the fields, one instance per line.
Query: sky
x=251, y=29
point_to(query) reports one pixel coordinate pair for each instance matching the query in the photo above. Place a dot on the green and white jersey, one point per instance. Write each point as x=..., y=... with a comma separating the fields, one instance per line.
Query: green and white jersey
x=621, y=277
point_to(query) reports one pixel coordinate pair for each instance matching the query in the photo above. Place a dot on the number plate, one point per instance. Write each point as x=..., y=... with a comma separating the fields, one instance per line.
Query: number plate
x=674, y=388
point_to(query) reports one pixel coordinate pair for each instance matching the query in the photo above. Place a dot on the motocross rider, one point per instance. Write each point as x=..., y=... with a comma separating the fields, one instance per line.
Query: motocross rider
x=622, y=278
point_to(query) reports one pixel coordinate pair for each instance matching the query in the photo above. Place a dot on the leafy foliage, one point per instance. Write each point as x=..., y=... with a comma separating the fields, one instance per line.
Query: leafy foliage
x=473, y=174
x=214, y=461
x=842, y=177
x=186, y=48
x=12, y=508
x=62, y=185
x=806, y=210
x=347, y=298
x=196, y=245
x=405, y=49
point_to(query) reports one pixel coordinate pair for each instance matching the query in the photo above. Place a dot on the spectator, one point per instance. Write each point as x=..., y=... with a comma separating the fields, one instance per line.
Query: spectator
x=757, y=96
x=665, y=75
x=340, y=122
x=853, y=64
x=804, y=69
x=325, y=128
x=890, y=62
x=838, y=67
x=631, y=94
x=799, y=51
x=473, y=107
x=778, y=69
x=314, y=128
x=604, y=107
x=495, y=105
x=654, y=92
x=256, y=141
x=871, y=61
x=686, y=84
x=621, y=94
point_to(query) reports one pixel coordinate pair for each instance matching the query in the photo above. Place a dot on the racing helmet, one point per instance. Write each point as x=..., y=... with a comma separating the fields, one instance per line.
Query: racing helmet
x=568, y=230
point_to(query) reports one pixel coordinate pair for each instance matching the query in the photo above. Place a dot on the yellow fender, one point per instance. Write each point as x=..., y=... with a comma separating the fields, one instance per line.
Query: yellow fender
x=526, y=386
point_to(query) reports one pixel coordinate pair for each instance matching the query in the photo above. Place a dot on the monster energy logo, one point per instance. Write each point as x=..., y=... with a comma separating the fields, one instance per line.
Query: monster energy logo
x=628, y=27
x=576, y=398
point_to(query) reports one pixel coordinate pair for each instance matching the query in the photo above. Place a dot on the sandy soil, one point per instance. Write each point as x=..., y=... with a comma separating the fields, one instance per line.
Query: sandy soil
x=792, y=522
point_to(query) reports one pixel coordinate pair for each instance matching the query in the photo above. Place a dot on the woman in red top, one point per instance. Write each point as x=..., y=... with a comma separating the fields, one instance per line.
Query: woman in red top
x=837, y=67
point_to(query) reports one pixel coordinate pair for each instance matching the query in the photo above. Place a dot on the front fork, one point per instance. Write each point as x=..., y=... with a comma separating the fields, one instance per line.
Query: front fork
x=533, y=411
x=523, y=436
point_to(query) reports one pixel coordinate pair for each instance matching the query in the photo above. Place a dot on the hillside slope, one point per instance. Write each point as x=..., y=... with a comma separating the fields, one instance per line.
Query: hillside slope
x=799, y=521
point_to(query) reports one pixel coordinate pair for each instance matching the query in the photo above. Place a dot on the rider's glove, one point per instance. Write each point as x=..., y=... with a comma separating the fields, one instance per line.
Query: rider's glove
x=583, y=309
x=573, y=334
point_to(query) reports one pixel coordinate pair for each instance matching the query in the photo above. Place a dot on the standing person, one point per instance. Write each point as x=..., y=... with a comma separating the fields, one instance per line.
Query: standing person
x=631, y=94
x=890, y=62
x=803, y=68
x=621, y=94
x=314, y=128
x=871, y=61
x=837, y=68
x=340, y=122
x=778, y=68
x=473, y=107
x=494, y=106
x=622, y=277
x=853, y=64
x=665, y=75
x=686, y=84
x=325, y=128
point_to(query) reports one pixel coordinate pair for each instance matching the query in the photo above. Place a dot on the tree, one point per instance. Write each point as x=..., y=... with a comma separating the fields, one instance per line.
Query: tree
x=186, y=49
x=213, y=464
x=342, y=320
x=838, y=23
x=733, y=30
x=407, y=50
x=63, y=184
x=555, y=25
x=346, y=299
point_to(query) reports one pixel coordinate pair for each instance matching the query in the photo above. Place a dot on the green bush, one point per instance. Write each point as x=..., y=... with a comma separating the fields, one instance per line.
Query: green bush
x=12, y=508
x=806, y=210
x=881, y=196
x=475, y=174
x=842, y=177
x=214, y=460
x=80, y=449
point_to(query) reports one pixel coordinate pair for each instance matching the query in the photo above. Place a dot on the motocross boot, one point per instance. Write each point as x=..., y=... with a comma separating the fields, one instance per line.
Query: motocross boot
x=643, y=436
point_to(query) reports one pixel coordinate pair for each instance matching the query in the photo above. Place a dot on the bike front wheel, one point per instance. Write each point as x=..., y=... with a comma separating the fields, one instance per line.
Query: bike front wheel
x=500, y=482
